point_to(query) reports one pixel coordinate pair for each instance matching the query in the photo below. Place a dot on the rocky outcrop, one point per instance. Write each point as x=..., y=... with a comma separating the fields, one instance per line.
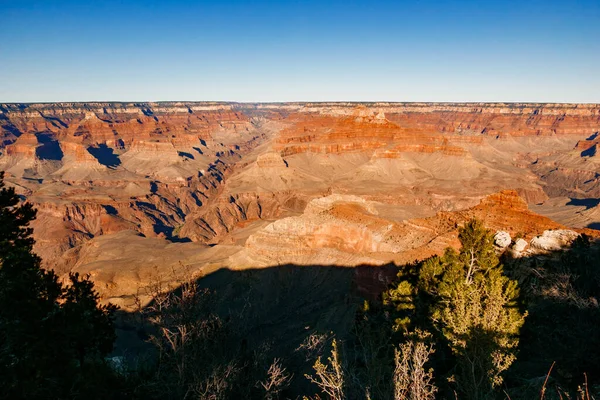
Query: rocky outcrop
x=554, y=240
x=344, y=228
x=270, y=160
x=502, y=239
x=520, y=245
x=547, y=243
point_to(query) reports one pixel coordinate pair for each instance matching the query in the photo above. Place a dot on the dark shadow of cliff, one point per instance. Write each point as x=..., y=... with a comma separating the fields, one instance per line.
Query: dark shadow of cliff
x=105, y=155
x=270, y=313
x=8, y=126
x=587, y=203
x=49, y=148
x=593, y=136
x=594, y=225
x=315, y=296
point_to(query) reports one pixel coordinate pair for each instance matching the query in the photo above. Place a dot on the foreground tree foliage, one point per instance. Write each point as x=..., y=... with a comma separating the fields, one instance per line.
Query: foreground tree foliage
x=465, y=298
x=329, y=377
x=477, y=312
x=412, y=379
x=53, y=338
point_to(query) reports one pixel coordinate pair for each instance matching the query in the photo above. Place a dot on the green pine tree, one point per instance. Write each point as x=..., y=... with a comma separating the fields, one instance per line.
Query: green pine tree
x=477, y=312
x=465, y=299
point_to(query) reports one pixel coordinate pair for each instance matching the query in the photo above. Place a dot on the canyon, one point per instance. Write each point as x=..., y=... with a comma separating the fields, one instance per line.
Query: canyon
x=135, y=193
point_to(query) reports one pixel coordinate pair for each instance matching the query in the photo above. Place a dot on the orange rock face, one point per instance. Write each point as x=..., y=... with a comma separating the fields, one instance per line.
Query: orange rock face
x=332, y=134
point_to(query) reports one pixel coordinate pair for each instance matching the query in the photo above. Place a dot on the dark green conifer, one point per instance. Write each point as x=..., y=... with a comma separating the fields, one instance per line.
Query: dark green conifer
x=47, y=331
x=469, y=303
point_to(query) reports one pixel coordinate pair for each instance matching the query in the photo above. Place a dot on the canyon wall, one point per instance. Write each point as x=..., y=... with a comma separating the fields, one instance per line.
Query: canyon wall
x=242, y=185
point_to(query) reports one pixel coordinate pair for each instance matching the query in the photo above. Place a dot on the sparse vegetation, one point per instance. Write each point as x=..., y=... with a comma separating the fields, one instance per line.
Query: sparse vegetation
x=329, y=377
x=412, y=379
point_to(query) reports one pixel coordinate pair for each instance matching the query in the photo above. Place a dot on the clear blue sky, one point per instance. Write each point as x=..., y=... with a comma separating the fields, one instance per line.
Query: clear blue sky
x=472, y=50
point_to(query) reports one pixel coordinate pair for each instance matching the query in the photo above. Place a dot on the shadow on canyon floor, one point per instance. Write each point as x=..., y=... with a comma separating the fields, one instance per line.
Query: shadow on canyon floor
x=105, y=155
x=294, y=297
x=587, y=203
x=49, y=149
x=274, y=311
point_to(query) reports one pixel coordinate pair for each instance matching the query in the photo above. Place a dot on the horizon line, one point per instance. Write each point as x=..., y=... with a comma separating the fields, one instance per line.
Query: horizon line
x=294, y=102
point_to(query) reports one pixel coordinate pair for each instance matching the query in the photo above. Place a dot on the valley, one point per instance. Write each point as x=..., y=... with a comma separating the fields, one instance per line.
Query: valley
x=135, y=192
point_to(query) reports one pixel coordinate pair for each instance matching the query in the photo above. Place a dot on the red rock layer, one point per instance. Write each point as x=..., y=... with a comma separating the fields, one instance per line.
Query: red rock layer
x=330, y=134
x=120, y=125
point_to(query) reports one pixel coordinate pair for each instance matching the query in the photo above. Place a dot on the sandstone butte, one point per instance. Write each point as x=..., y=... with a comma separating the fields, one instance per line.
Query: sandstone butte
x=135, y=192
